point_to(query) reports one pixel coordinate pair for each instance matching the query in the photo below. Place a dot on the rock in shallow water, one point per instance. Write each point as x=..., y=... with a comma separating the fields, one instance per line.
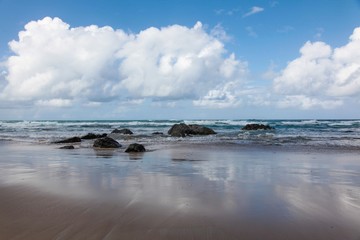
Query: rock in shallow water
x=157, y=133
x=93, y=136
x=67, y=147
x=106, y=142
x=201, y=130
x=135, y=147
x=123, y=131
x=182, y=130
x=255, y=126
x=70, y=140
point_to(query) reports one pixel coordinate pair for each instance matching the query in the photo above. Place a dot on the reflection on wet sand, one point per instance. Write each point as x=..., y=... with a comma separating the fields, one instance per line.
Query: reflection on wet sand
x=184, y=192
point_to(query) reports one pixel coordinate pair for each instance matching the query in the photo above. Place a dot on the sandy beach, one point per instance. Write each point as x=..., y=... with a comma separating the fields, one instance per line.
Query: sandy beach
x=179, y=191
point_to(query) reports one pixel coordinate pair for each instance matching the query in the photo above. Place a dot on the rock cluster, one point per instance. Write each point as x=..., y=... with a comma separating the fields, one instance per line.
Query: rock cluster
x=103, y=141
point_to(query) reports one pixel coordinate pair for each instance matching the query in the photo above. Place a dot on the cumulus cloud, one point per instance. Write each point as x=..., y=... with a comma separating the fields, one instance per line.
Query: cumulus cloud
x=56, y=65
x=174, y=62
x=322, y=76
x=228, y=93
x=218, y=98
x=53, y=61
x=253, y=10
x=305, y=102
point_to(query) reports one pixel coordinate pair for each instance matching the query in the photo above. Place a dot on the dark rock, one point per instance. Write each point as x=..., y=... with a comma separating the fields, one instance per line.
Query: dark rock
x=201, y=130
x=135, y=147
x=157, y=133
x=70, y=140
x=93, y=136
x=182, y=130
x=255, y=126
x=67, y=147
x=106, y=142
x=123, y=131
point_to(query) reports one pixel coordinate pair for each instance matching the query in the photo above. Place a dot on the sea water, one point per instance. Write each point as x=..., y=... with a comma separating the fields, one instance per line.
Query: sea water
x=328, y=133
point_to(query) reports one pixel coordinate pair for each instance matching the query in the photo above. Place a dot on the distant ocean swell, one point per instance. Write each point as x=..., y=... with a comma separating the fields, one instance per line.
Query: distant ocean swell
x=341, y=133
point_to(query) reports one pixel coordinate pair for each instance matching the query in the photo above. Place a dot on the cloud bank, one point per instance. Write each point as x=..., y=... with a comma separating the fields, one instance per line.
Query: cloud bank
x=57, y=65
x=322, y=76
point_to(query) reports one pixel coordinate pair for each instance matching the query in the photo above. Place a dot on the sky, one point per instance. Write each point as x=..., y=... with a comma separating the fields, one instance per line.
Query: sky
x=179, y=59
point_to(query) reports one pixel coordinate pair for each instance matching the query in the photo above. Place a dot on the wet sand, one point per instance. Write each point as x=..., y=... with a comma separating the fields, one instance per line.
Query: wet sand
x=179, y=191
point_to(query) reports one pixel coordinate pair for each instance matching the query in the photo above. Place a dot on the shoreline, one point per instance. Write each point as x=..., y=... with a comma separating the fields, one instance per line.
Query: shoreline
x=183, y=143
x=179, y=191
x=316, y=133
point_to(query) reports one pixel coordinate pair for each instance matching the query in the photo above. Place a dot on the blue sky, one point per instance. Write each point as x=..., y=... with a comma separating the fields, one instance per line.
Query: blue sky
x=179, y=59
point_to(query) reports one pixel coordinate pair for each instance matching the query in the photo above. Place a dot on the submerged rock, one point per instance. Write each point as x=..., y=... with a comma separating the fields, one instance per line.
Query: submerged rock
x=70, y=140
x=93, y=136
x=106, y=142
x=201, y=130
x=182, y=130
x=123, y=131
x=157, y=133
x=255, y=126
x=67, y=147
x=135, y=147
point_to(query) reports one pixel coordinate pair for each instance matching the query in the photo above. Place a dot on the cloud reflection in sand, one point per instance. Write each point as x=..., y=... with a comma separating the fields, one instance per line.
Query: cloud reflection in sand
x=247, y=184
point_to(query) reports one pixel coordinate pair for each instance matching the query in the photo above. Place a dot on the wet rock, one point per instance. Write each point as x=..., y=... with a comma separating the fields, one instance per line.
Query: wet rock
x=123, y=131
x=157, y=133
x=182, y=130
x=135, y=147
x=70, y=140
x=255, y=126
x=106, y=142
x=201, y=130
x=67, y=147
x=93, y=136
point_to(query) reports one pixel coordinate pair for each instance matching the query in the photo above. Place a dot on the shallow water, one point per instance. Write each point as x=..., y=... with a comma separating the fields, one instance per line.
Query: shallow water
x=199, y=191
x=324, y=133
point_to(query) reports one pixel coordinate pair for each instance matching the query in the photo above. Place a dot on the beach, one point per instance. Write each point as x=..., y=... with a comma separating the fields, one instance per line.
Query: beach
x=179, y=190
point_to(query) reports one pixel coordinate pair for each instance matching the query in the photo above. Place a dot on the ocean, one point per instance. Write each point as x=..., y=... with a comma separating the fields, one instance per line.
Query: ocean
x=325, y=133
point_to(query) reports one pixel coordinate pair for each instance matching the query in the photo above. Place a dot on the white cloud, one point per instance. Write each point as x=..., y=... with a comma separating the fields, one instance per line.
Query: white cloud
x=221, y=98
x=271, y=72
x=173, y=62
x=54, y=61
x=322, y=76
x=57, y=102
x=227, y=93
x=253, y=10
x=305, y=102
x=219, y=33
x=56, y=65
